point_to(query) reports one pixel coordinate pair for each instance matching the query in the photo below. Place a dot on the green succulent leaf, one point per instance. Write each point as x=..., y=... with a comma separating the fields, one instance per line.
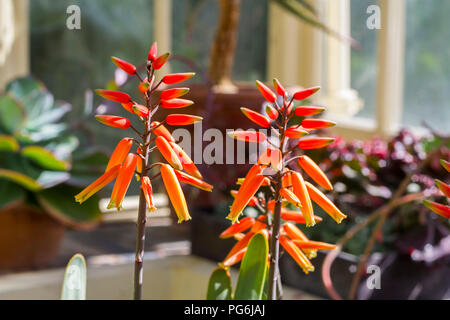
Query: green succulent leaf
x=45, y=158
x=75, y=279
x=23, y=87
x=49, y=116
x=10, y=193
x=59, y=202
x=219, y=286
x=12, y=115
x=8, y=143
x=21, y=179
x=252, y=273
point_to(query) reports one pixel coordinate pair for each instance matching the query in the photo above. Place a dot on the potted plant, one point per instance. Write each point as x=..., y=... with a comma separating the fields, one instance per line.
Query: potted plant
x=41, y=167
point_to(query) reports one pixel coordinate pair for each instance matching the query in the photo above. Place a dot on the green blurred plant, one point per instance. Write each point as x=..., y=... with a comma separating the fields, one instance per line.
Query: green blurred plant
x=40, y=162
x=253, y=274
x=75, y=278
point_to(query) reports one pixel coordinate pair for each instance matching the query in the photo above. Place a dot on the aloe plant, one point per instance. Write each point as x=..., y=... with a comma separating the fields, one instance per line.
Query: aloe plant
x=40, y=162
x=253, y=274
x=75, y=278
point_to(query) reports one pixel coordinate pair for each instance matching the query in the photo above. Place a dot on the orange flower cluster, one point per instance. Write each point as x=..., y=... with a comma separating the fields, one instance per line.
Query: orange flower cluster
x=273, y=176
x=441, y=209
x=124, y=164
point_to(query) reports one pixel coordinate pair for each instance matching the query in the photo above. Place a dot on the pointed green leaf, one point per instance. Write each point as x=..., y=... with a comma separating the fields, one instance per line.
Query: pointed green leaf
x=252, y=273
x=45, y=158
x=8, y=143
x=12, y=114
x=59, y=202
x=21, y=179
x=219, y=286
x=74, y=285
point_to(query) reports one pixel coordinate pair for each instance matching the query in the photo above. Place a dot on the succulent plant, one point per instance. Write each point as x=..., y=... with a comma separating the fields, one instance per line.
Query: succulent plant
x=40, y=162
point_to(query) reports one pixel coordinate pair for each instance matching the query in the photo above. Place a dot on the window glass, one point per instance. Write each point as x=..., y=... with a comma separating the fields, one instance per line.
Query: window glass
x=193, y=30
x=363, y=62
x=427, y=64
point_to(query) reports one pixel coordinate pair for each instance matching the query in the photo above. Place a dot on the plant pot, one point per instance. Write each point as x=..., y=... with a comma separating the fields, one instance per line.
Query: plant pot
x=29, y=238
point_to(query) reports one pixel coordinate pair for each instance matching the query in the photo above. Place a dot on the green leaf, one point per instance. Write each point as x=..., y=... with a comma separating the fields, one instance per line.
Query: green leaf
x=219, y=286
x=74, y=285
x=12, y=114
x=49, y=116
x=10, y=193
x=45, y=158
x=8, y=143
x=21, y=179
x=253, y=269
x=60, y=203
x=23, y=87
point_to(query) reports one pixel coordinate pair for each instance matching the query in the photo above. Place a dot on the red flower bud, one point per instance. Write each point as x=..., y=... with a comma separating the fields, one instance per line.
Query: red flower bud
x=266, y=92
x=317, y=124
x=247, y=136
x=176, y=103
x=256, y=117
x=125, y=66
x=113, y=121
x=278, y=87
x=177, y=77
x=301, y=95
x=160, y=61
x=182, y=119
x=304, y=111
x=314, y=143
x=116, y=96
x=272, y=112
x=173, y=93
x=140, y=110
x=152, y=52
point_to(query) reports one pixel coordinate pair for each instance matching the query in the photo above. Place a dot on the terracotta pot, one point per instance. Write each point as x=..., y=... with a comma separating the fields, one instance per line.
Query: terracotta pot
x=29, y=238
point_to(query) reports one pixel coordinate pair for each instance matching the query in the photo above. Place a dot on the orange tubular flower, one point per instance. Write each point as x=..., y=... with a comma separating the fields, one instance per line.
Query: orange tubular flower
x=445, y=188
x=314, y=171
x=253, y=201
x=139, y=164
x=114, y=95
x=186, y=162
x=279, y=88
x=177, y=77
x=295, y=132
x=296, y=254
x=295, y=233
x=296, y=216
x=128, y=106
x=248, y=136
x=304, y=111
x=184, y=177
x=286, y=181
x=245, y=193
x=438, y=208
x=162, y=131
x=317, y=124
x=266, y=92
x=316, y=245
x=176, y=103
x=153, y=52
x=445, y=164
x=148, y=193
x=235, y=258
x=113, y=121
x=182, y=119
x=272, y=112
x=160, y=61
x=167, y=152
x=302, y=95
x=242, y=225
x=120, y=153
x=140, y=110
x=272, y=157
x=301, y=192
x=123, y=181
x=291, y=197
x=98, y=184
x=175, y=193
x=256, y=117
x=325, y=203
x=173, y=93
x=314, y=143
x=125, y=66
